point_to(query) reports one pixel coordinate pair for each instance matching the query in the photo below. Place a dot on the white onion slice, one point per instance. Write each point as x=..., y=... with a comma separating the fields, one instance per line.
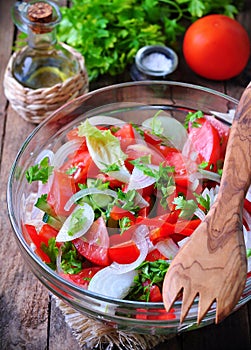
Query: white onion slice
x=139, y=180
x=105, y=120
x=210, y=175
x=88, y=214
x=58, y=262
x=173, y=130
x=44, y=154
x=200, y=214
x=168, y=248
x=247, y=240
x=183, y=241
x=228, y=117
x=108, y=283
x=121, y=175
x=64, y=151
x=88, y=191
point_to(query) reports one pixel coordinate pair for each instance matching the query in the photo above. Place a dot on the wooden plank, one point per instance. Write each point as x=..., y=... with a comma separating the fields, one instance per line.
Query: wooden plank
x=6, y=40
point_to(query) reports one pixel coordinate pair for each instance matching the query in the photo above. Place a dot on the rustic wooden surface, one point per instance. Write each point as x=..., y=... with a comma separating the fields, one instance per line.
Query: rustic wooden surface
x=29, y=319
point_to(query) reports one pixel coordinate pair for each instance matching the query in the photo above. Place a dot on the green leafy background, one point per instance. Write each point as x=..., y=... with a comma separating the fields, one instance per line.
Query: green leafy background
x=108, y=33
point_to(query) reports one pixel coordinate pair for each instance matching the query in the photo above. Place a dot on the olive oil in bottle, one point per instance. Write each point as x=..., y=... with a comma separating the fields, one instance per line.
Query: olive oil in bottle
x=44, y=62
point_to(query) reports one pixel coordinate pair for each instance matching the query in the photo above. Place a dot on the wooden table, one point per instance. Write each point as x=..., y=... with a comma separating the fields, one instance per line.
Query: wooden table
x=28, y=317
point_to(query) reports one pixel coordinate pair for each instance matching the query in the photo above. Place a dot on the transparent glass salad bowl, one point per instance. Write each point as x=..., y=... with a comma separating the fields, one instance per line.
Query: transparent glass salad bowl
x=133, y=102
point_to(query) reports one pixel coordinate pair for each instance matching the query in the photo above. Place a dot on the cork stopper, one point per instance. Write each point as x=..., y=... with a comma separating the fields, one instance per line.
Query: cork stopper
x=40, y=12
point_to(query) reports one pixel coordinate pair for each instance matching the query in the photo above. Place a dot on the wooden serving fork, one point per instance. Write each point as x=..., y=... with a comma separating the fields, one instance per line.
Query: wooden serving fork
x=212, y=264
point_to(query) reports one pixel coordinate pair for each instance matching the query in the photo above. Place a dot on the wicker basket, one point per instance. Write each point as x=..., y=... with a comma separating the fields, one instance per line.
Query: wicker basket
x=34, y=105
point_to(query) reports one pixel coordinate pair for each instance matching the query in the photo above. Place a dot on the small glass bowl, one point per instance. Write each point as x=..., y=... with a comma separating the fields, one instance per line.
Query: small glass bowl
x=134, y=102
x=154, y=62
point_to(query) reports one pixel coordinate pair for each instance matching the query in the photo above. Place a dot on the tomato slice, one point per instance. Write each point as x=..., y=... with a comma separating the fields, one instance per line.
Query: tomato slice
x=156, y=314
x=118, y=213
x=83, y=277
x=62, y=188
x=78, y=164
x=124, y=253
x=162, y=314
x=140, y=150
x=159, y=234
x=93, y=252
x=155, y=294
x=95, y=243
x=154, y=255
x=46, y=233
x=205, y=141
x=31, y=236
x=126, y=136
x=223, y=131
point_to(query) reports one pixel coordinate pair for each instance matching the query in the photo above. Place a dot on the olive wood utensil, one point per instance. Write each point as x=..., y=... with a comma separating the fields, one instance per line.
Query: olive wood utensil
x=212, y=264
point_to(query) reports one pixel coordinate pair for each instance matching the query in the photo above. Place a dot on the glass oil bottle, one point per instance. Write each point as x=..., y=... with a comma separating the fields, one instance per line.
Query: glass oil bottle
x=43, y=62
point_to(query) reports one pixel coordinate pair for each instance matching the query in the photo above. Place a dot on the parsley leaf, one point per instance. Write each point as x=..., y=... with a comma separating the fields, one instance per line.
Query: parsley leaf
x=192, y=118
x=52, y=251
x=149, y=273
x=204, y=202
x=187, y=207
x=39, y=172
x=70, y=260
x=164, y=177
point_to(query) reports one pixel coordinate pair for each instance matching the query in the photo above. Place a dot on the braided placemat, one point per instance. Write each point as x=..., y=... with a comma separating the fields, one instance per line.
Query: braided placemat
x=34, y=105
x=93, y=334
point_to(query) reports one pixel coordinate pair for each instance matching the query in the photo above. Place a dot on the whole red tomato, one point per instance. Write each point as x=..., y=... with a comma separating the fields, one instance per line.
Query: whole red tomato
x=216, y=47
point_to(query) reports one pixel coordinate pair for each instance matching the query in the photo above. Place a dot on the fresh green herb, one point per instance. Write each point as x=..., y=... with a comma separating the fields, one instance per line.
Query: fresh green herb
x=192, y=118
x=203, y=165
x=203, y=201
x=126, y=200
x=39, y=172
x=77, y=221
x=149, y=273
x=52, y=251
x=142, y=162
x=109, y=33
x=111, y=167
x=124, y=224
x=248, y=253
x=220, y=171
x=70, y=261
x=164, y=177
x=187, y=207
x=71, y=170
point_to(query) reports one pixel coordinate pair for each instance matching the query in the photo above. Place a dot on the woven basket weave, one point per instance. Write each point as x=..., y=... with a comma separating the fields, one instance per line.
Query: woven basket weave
x=34, y=105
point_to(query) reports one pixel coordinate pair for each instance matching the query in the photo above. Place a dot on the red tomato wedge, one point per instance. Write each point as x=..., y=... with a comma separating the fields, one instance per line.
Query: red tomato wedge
x=118, y=213
x=154, y=255
x=124, y=253
x=46, y=233
x=95, y=243
x=78, y=165
x=155, y=294
x=31, y=236
x=155, y=314
x=126, y=136
x=205, y=141
x=63, y=187
x=82, y=278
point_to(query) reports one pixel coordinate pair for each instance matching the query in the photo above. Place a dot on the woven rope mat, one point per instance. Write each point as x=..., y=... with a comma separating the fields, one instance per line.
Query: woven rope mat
x=92, y=334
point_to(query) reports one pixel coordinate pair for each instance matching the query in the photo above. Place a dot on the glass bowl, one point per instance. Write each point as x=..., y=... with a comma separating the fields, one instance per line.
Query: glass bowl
x=135, y=102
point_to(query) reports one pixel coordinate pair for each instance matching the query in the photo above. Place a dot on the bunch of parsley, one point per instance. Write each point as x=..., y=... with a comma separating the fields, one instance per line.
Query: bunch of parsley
x=109, y=33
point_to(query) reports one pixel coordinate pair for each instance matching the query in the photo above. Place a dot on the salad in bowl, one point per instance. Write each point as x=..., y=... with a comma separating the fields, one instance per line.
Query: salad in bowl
x=108, y=196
